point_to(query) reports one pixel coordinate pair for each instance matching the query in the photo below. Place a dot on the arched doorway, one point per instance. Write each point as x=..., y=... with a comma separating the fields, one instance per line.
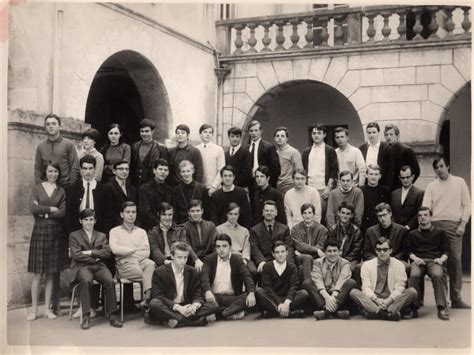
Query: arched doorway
x=127, y=88
x=299, y=105
x=455, y=138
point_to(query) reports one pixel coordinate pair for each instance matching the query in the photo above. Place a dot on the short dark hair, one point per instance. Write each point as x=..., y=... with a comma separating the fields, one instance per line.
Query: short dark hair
x=253, y=123
x=195, y=203
x=392, y=126
x=405, y=168
x=87, y=159
x=146, y=123
x=346, y=205
x=319, y=127
x=281, y=128
x=270, y=202
x=91, y=133
x=265, y=170
x=178, y=246
x=232, y=206
x=331, y=242
x=54, y=165
x=277, y=244
x=305, y=206
x=344, y=173
x=86, y=212
x=341, y=129
x=205, y=126
x=300, y=171
x=165, y=206
x=236, y=131
x=438, y=159
x=425, y=208
x=52, y=115
x=227, y=168
x=128, y=204
x=160, y=162
x=114, y=125
x=383, y=206
x=382, y=240
x=182, y=127
x=223, y=237
x=120, y=162
x=372, y=124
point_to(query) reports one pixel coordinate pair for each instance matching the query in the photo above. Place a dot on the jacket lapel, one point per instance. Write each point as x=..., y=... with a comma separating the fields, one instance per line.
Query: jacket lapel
x=169, y=269
x=410, y=192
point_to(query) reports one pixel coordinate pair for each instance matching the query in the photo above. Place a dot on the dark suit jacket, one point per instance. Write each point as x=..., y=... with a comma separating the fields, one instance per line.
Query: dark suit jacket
x=332, y=166
x=239, y=274
x=141, y=172
x=78, y=241
x=203, y=247
x=157, y=244
x=241, y=162
x=74, y=195
x=258, y=200
x=261, y=243
x=163, y=285
x=267, y=155
x=113, y=199
x=219, y=202
x=176, y=155
x=150, y=196
x=406, y=214
x=351, y=249
x=183, y=194
x=398, y=238
x=385, y=161
x=403, y=155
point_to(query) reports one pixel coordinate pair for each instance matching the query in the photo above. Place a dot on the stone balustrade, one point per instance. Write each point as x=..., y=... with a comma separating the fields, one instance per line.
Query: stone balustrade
x=348, y=27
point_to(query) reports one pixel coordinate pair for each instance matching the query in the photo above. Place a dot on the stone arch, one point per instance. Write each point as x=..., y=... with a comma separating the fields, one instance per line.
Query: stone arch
x=127, y=88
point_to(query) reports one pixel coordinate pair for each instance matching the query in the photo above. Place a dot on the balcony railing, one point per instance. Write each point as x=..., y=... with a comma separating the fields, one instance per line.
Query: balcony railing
x=347, y=27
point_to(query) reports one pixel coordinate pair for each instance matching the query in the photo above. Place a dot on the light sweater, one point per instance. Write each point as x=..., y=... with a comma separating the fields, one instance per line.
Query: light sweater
x=448, y=199
x=290, y=160
x=294, y=199
x=213, y=160
x=355, y=197
x=99, y=161
x=129, y=245
x=352, y=159
x=240, y=237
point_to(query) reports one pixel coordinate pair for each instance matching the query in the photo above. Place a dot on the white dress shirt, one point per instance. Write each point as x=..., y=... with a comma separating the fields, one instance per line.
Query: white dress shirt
x=179, y=278
x=317, y=167
x=280, y=268
x=233, y=150
x=405, y=193
x=92, y=186
x=222, y=282
x=372, y=154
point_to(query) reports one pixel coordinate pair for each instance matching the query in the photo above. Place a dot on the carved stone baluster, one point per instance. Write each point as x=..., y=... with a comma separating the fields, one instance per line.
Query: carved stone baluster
x=266, y=40
x=466, y=24
x=238, y=39
x=449, y=24
x=371, y=29
x=295, y=37
x=338, y=32
x=324, y=35
x=433, y=24
x=417, y=28
x=280, y=38
x=386, y=30
x=402, y=27
x=252, y=40
x=309, y=32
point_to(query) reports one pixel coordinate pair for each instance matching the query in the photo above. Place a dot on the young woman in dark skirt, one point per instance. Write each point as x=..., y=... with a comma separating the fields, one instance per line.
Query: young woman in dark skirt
x=49, y=246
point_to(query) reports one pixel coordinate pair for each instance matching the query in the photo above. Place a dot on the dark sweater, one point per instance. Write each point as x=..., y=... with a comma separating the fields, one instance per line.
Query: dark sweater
x=270, y=193
x=280, y=286
x=428, y=243
x=183, y=194
x=219, y=203
x=372, y=197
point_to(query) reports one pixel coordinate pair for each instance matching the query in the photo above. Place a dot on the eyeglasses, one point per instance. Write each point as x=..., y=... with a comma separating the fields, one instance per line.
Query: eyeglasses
x=382, y=249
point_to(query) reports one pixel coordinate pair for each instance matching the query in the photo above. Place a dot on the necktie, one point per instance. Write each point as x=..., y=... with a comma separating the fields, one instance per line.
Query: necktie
x=198, y=225
x=88, y=202
x=232, y=152
x=167, y=247
x=124, y=189
x=270, y=230
x=252, y=149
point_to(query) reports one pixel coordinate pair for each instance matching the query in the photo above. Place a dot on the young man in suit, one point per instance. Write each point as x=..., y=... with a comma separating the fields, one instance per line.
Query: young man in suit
x=85, y=193
x=89, y=249
x=265, y=192
x=290, y=159
x=239, y=158
x=176, y=293
x=407, y=200
x=222, y=278
x=402, y=154
x=320, y=161
x=265, y=234
x=330, y=283
x=383, y=294
x=378, y=153
x=184, y=151
x=163, y=235
x=144, y=153
x=153, y=193
x=278, y=295
x=199, y=234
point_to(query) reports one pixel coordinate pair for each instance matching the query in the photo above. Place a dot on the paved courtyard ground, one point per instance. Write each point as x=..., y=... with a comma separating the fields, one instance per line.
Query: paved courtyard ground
x=285, y=334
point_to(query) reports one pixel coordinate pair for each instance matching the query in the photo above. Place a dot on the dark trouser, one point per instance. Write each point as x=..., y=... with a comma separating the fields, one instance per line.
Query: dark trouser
x=268, y=304
x=305, y=263
x=85, y=276
x=231, y=304
x=253, y=270
x=324, y=206
x=55, y=295
x=438, y=278
x=454, y=257
x=159, y=311
x=364, y=302
x=319, y=302
x=355, y=269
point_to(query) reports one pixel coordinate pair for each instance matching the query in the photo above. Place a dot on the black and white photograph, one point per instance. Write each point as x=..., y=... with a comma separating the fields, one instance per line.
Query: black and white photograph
x=236, y=177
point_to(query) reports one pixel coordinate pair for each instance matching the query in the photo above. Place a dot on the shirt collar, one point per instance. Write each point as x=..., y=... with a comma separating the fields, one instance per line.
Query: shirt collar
x=236, y=148
x=128, y=230
x=348, y=146
x=175, y=270
x=320, y=146
x=257, y=142
x=376, y=145
x=59, y=139
x=186, y=147
x=404, y=189
x=429, y=229
x=220, y=260
x=278, y=265
x=346, y=192
x=228, y=189
x=93, y=184
x=382, y=263
x=164, y=228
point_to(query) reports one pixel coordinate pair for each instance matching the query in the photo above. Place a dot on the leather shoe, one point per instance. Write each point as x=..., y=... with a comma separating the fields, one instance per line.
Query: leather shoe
x=443, y=314
x=114, y=322
x=86, y=322
x=460, y=304
x=394, y=316
x=343, y=314
x=319, y=315
x=201, y=322
x=298, y=313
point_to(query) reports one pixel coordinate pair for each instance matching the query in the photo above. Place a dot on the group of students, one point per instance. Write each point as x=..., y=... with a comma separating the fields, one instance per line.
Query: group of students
x=200, y=227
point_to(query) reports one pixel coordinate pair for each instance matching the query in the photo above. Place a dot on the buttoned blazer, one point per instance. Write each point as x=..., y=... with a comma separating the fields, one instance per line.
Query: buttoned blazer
x=261, y=243
x=241, y=162
x=404, y=155
x=267, y=155
x=406, y=214
x=150, y=197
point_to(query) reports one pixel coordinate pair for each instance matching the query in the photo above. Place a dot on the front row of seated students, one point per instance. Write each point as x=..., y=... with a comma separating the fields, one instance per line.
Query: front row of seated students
x=222, y=284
